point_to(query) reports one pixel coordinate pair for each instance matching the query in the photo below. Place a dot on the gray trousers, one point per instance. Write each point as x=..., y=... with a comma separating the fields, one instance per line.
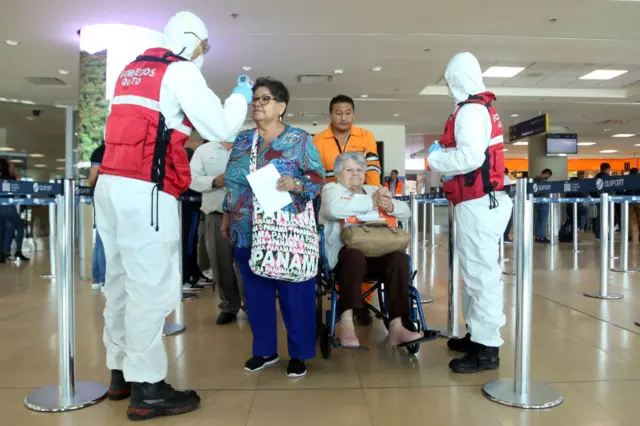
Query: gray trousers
x=203, y=256
x=226, y=277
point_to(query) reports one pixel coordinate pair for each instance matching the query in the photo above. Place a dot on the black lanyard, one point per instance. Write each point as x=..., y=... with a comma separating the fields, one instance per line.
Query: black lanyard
x=340, y=146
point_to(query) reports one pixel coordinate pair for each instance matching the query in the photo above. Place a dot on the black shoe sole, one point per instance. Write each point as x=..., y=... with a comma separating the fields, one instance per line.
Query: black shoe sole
x=138, y=414
x=118, y=396
x=472, y=370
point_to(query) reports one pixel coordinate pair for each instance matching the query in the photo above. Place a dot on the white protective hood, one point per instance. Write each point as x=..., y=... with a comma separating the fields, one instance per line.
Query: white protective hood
x=464, y=77
x=179, y=35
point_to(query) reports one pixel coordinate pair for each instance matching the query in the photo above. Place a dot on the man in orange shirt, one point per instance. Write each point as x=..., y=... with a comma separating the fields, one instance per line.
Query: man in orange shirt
x=342, y=136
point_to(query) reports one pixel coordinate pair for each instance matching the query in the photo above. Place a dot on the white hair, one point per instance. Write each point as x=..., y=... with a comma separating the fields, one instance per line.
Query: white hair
x=338, y=166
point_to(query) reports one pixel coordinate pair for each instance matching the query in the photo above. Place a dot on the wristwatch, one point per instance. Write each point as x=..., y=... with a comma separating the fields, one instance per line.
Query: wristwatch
x=299, y=186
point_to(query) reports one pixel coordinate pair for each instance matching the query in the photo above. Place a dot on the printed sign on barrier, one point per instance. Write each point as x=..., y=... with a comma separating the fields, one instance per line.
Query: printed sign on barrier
x=606, y=184
x=23, y=187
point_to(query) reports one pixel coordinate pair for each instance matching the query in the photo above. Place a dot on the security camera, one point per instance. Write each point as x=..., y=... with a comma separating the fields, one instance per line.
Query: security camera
x=36, y=112
x=315, y=123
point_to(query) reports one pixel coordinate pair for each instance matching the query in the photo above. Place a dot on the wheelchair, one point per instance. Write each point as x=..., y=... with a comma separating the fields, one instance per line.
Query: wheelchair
x=326, y=284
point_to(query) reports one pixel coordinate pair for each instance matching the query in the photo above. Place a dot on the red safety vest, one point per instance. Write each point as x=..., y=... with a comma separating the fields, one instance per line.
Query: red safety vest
x=490, y=176
x=138, y=143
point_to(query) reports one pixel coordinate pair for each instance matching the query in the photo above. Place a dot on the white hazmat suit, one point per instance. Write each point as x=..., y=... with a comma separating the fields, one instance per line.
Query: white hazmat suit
x=143, y=282
x=478, y=227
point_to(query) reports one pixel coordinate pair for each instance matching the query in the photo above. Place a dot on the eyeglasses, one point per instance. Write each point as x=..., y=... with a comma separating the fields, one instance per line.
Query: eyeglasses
x=263, y=100
x=204, y=46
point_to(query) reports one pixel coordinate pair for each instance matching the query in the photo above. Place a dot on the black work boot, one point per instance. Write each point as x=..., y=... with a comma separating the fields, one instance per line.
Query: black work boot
x=149, y=400
x=479, y=358
x=119, y=388
x=460, y=345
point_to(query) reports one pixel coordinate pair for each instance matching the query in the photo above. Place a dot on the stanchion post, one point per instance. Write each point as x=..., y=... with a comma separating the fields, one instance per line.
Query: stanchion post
x=520, y=392
x=624, y=240
x=453, y=328
x=81, y=241
x=553, y=220
x=53, y=240
x=415, y=227
x=432, y=225
x=604, y=254
x=424, y=223
x=171, y=328
x=612, y=233
x=575, y=227
x=68, y=394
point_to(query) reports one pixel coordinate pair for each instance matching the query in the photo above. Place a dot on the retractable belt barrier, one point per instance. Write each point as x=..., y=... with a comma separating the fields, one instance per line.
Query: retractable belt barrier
x=520, y=391
x=67, y=394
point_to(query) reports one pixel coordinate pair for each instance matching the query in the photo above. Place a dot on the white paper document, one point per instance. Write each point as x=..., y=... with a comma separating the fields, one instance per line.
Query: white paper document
x=370, y=216
x=264, y=183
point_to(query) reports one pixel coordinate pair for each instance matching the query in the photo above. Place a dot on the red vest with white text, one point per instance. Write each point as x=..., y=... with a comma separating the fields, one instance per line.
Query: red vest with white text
x=490, y=176
x=138, y=143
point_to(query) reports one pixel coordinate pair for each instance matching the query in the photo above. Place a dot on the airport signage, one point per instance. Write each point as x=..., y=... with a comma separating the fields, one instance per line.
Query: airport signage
x=525, y=129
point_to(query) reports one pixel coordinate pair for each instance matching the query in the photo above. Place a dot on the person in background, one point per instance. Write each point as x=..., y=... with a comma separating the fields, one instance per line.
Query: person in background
x=507, y=232
x=144, y=171
x=393, y=184
x=342, y=136
x=294, y=155
x=5, y=210
x=207, y=171
x=192, y=277
x=15, y=225
x=98, y=260
x=542, y=211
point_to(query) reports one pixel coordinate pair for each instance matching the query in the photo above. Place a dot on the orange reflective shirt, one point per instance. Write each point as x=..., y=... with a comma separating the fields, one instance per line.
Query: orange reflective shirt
x=360, y=140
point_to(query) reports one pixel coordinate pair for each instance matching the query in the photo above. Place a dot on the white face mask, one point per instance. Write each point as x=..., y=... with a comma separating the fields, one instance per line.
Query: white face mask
x=199, y=61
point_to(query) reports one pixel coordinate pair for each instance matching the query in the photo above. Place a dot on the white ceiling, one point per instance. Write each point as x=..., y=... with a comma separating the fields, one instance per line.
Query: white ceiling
x=284, y=39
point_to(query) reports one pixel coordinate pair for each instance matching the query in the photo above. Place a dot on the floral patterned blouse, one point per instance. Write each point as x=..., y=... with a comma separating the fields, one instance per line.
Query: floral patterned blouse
x=293, y=153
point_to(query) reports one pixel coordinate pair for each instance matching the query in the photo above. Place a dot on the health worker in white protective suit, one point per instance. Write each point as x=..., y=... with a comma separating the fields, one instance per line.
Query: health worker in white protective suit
x=470, y=158
x=159, y=98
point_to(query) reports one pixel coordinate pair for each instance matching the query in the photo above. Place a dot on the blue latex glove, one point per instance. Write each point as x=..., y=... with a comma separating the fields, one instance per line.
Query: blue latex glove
x=434, y=147
x=447, y=178
x=244, y=87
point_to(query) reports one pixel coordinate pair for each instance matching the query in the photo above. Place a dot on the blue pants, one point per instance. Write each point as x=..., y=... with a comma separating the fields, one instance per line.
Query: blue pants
x=14, y=227
x=98, y=261
x=542, y=218
x=297, y=304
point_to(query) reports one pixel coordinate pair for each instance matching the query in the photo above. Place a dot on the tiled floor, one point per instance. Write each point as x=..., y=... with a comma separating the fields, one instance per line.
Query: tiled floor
x=588, y=349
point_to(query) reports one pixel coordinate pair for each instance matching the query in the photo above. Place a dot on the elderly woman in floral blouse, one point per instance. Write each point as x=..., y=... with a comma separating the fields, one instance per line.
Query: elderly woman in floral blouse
x=293, y=153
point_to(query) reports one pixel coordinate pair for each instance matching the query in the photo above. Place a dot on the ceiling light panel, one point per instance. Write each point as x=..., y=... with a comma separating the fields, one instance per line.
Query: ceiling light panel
x=603, y=74
x=608, y=151
x=586, y=143
x=623, y=135
x=502, y=72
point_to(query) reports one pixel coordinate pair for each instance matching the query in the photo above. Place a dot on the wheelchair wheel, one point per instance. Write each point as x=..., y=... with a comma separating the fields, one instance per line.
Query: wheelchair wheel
x=325, y=343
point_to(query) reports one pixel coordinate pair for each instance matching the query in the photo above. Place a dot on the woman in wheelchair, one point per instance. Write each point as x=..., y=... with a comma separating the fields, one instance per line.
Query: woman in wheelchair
x=350, y=201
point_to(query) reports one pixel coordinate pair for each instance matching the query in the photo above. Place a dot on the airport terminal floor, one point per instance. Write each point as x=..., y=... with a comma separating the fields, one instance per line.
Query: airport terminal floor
x=588, y=349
